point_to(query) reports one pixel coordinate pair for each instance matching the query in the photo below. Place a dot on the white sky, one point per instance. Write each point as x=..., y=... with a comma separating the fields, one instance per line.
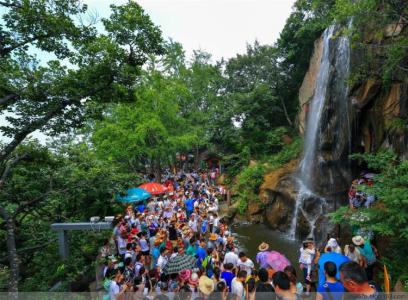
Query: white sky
x=220, y=27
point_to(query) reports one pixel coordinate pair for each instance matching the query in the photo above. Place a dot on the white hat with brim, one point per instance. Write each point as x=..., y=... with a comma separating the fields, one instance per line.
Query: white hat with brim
x=358, y=240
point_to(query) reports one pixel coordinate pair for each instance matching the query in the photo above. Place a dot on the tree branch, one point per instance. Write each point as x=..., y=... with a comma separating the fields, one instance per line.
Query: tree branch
x=37, y=124
x=33, y=126
x=8, y=167
x=7, y=50
x=10, y=5
x=32, y=202
x=8, y=98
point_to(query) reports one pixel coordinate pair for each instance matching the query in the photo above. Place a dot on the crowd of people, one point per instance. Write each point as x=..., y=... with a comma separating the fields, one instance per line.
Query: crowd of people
x=177, y=246
x=357, y=197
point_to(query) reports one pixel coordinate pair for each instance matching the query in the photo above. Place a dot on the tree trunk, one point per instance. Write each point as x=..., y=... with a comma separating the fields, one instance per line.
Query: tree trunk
x=11, y=251
x=197, y=159
x=157, y=170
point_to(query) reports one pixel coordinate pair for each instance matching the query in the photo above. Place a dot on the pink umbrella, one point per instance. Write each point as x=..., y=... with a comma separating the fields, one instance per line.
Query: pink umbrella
x=277, y=261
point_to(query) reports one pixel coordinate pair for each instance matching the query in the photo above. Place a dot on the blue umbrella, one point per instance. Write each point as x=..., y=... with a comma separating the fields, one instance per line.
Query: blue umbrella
x=134, y=195
x=335, y=257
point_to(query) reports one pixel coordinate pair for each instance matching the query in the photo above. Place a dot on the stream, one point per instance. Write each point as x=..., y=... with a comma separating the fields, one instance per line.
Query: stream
x=250, y=236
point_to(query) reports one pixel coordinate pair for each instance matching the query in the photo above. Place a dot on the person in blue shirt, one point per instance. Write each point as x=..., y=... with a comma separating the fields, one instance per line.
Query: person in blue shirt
x=204, y=224
x=201, y=253
x=331, y=289
x=227, y=275
x=141, y=207
x=189, y=203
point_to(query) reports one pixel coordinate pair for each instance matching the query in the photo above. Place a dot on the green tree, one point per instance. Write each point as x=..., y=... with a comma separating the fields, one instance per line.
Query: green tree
x=57, y=97
x=388, y=217
x=148, y=131
x=68, y=184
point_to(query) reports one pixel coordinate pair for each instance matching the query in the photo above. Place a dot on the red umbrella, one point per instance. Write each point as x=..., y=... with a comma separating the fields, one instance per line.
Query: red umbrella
x=154, y=188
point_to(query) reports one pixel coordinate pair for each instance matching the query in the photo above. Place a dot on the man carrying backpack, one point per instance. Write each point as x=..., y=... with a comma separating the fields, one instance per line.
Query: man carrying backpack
x=331, y=289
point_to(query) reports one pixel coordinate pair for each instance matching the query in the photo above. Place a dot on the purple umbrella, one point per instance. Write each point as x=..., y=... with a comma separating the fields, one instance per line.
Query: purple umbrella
x=277, y=261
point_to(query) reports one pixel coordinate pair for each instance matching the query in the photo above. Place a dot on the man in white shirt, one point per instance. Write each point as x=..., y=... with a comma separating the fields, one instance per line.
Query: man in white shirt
x=115, y=291
x=244, y=263
x=193, y=223
x=162, y=260
x=237, y=287
x=231, y=257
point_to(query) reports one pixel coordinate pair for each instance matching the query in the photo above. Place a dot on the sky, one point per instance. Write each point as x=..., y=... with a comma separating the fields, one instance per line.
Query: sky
x=221, y=27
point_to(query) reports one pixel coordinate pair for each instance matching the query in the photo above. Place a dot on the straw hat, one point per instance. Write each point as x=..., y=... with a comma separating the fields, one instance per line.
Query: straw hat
x=358, y=240
x=263, y=246
x=205, y=285
x=193, y=279
x=213, y=237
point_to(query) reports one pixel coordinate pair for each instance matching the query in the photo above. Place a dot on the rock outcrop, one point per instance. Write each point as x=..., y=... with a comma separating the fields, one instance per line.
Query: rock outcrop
x=306, y=90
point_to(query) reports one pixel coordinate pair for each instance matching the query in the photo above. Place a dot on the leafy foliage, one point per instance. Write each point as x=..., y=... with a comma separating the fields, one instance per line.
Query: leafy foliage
x=68, y=184
x=389, y=216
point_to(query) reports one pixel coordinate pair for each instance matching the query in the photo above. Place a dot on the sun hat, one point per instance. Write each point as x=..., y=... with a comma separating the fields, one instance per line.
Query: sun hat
x=358, y=240
x=230, y=239
x=185, y=274
x=193, y=279
x=205, y=285
x=263, y=246
x=213, y=237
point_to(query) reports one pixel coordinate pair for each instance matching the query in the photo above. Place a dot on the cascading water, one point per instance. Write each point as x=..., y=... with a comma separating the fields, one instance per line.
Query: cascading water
x=330, y=91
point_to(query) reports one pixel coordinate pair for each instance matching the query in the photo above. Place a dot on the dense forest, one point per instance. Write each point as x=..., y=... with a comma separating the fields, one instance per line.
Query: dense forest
x=123, y=102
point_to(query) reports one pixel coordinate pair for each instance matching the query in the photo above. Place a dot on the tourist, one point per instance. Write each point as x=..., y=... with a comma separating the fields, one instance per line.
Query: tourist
x=244, y=263
x=231, y=257
x=205, y=286
x=295, y=286
x=162, y=260
x=333, y=246
x=237, y=286
x=264, y=289
x=331, y=289
x=307, y=253
x=116, y=287
x=201, y=252
x=353, y=254
x=368, y=253
x=208, y=263
x=227, y=275
x=355, y=281
x=281, y=283
x=262, y=255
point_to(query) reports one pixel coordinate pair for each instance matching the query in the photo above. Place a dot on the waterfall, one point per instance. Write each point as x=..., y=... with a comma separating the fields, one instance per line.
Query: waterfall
x=330, y=91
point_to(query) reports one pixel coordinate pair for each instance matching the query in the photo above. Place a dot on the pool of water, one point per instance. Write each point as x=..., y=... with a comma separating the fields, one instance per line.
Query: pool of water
x=250, y=236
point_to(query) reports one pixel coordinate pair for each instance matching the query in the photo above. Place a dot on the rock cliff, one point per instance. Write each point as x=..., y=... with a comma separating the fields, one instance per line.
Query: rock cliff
x=369, y=115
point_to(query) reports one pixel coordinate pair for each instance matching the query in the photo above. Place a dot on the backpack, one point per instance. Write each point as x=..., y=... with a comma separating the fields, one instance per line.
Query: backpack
x=106, y=286
x=208, y=266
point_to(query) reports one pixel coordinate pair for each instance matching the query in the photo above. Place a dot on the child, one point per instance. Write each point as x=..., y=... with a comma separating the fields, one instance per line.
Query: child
x=307, y=253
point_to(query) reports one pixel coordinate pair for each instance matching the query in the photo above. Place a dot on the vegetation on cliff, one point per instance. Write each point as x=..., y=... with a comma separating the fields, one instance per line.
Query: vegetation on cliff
x=388, y=217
